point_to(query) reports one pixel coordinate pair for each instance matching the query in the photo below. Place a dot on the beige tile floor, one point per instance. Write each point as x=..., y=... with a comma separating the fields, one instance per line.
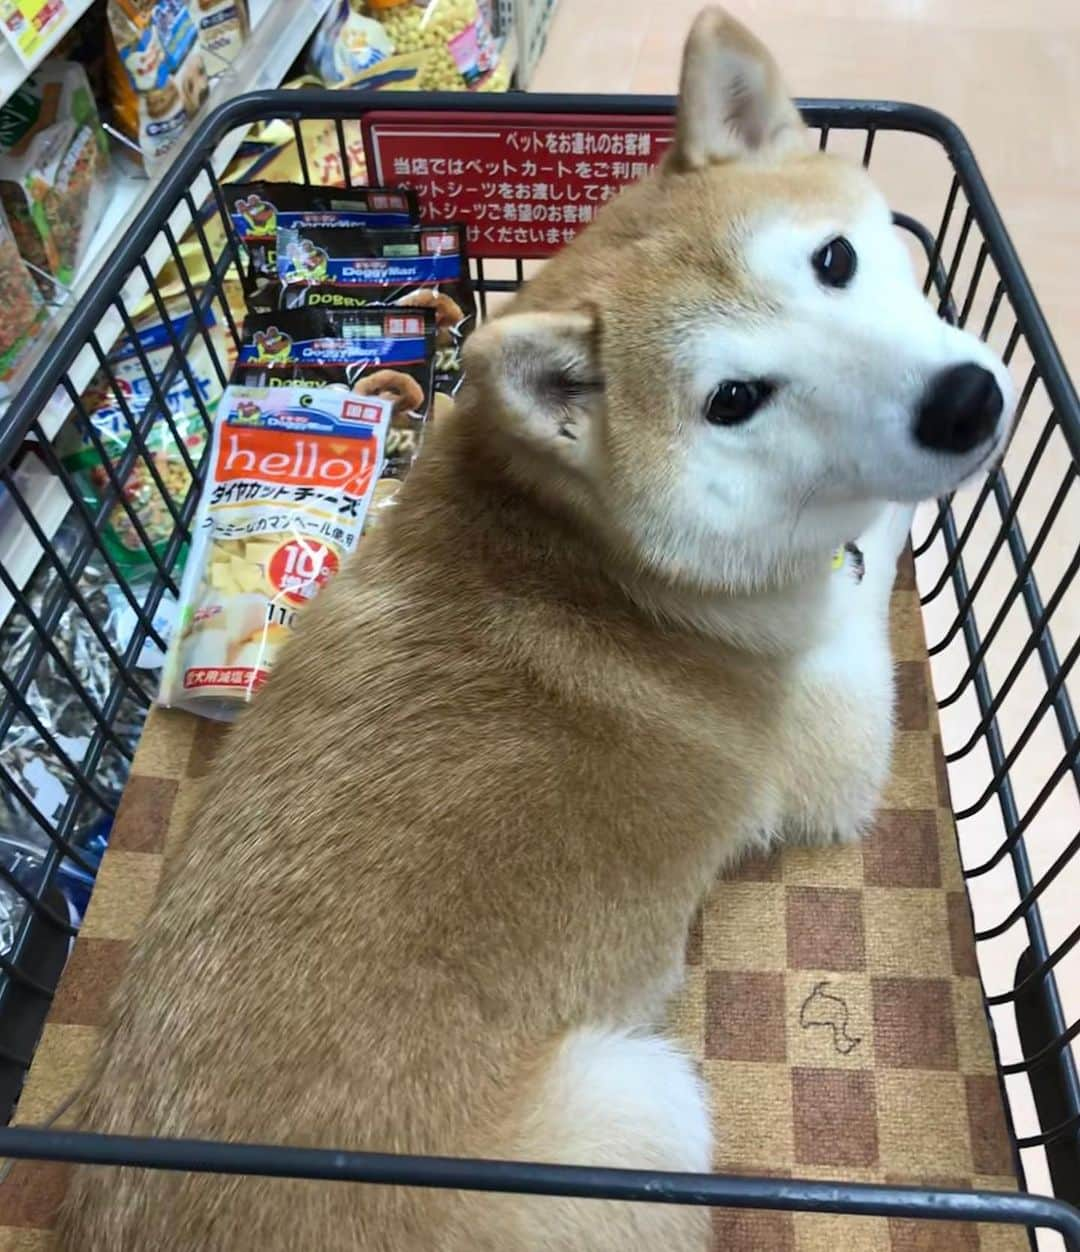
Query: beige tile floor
x=1009, y=75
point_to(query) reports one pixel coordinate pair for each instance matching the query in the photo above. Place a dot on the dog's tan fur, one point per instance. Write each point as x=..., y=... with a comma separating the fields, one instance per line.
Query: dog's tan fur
x=488, y=785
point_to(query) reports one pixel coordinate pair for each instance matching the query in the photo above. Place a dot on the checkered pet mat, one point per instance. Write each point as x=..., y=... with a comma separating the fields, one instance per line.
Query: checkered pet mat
x=832, y=997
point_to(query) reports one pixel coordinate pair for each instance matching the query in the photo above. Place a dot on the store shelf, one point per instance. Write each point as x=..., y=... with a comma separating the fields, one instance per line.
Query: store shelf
x=12, y=69
x=266, y=57
x=276, y=39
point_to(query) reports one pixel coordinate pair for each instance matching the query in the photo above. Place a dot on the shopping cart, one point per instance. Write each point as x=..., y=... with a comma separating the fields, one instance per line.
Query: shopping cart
x=994, y=593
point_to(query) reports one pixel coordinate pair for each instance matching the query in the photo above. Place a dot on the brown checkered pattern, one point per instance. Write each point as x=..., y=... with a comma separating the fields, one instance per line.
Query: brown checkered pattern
x=831, y=995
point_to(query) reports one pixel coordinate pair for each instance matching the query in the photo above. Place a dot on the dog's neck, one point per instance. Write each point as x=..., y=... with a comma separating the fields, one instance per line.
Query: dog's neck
x=532, y=537
x=786, y=618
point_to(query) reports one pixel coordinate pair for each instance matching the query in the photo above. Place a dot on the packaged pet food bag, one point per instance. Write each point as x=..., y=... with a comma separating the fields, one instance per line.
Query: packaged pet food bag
x=53, y=171
x=292, y=473
x=223, y=28
x=25, y=313
x=420, y=267
x=157, y=76
x=136, y=366
x=258, y=210
x=371, y=352
x=347, y=43
x=424, y=45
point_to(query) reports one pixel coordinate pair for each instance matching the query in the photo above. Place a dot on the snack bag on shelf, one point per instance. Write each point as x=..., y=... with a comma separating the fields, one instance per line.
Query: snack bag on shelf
x=25, y=312
x=53, y=171
x=292, y=472
x=138, y=386
x=258, y=210
x=370, y=352
x=223, y=27
x=157, y=75
x=438, y=45
x=420, y=267
x=347, y=43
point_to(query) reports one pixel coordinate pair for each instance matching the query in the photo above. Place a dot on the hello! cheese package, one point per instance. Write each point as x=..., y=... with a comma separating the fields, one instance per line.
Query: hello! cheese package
x=292, y=472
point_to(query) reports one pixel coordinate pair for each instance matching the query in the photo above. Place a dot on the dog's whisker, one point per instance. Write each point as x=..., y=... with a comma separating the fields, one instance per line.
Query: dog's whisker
x=804, y=503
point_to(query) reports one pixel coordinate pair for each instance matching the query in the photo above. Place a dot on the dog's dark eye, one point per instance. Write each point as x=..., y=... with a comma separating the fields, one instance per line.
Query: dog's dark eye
x=835, y=262
x=734, y=402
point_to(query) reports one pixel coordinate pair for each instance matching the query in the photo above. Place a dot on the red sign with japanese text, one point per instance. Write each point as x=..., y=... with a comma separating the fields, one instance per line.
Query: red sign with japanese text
x=523, y=183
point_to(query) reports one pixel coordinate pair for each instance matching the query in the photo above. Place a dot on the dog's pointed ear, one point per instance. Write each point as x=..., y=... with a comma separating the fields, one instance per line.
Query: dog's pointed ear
x=732, y=98
x=542, y=370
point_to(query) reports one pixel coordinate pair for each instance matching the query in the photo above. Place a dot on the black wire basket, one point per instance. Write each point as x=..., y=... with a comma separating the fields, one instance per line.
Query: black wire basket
x=992, y=569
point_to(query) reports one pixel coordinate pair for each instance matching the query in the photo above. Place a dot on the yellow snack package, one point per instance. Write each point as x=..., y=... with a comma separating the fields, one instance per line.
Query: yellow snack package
x=292, y=472
x=426, y=45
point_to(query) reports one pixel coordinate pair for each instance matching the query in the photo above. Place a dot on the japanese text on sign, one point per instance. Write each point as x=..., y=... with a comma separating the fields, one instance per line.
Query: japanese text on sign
x=524, y=184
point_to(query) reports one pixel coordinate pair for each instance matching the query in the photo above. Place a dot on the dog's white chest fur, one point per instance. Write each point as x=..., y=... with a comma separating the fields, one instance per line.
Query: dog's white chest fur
x=839, y=722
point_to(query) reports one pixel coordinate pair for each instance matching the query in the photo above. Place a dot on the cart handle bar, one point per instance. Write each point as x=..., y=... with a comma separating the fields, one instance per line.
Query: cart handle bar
x=526, y=1178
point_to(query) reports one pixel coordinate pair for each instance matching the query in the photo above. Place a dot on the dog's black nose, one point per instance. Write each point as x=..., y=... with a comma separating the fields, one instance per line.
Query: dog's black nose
x=960, y=409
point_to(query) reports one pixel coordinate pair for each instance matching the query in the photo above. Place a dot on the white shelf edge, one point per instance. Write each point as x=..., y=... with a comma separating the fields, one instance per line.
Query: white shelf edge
x=19, y=549
x=263, y=62
x=13, y=71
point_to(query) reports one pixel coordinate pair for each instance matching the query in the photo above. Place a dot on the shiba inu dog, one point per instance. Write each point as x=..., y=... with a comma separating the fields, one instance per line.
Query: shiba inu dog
x=438, y=889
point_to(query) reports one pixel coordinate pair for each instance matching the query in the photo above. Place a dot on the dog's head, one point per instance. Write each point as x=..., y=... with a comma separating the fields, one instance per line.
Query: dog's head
x=735, y=364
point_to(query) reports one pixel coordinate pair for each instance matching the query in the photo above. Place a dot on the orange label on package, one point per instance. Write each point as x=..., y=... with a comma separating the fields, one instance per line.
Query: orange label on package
x=292, y=471
x=296, y=459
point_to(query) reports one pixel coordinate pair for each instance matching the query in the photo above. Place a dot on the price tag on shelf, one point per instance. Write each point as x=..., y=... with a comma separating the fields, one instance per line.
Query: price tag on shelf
x=523, y=183
x=32, y=27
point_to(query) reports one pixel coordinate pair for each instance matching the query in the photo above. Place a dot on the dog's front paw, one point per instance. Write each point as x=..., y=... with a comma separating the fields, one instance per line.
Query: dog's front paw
x=835, y=830
x=836, y=836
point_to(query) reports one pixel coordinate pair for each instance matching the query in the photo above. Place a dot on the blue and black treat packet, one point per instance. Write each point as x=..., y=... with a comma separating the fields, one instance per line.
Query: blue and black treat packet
x=406, y=267
x=387, y=352
x=258, y=210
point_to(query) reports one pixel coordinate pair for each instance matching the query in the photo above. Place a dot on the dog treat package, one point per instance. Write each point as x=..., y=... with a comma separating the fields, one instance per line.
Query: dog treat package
x=387, y=487
x=258, y=210
x=25, y=313
x=382, y=499
x=370, y=352
x=223, y=27
x=53, y=171
x=292, y=472
x=134, y=366
x=420, y=267
x=157, y=74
